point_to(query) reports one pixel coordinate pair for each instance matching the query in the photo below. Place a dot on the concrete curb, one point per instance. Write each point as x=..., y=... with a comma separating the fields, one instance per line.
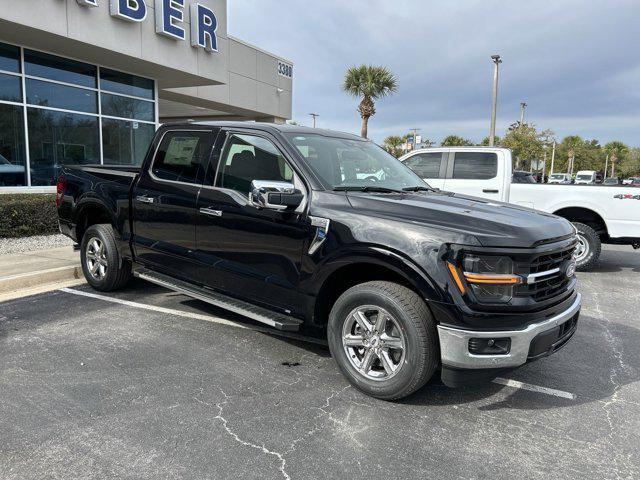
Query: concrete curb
x=42, y=277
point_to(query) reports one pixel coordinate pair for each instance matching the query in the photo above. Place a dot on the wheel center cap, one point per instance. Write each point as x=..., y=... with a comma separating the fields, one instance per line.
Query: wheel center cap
x=374, y=341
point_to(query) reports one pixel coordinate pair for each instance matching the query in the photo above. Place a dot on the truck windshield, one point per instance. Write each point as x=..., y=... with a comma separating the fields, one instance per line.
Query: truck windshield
x=557, y=177
x=584, y=177
x=344, y=163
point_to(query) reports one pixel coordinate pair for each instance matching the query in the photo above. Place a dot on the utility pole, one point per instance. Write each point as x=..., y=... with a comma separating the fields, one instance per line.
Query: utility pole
x=522, y=107
x=606, y=167
x=415, y=136
x=553, y=157
x=492, y=130
x=314, y=115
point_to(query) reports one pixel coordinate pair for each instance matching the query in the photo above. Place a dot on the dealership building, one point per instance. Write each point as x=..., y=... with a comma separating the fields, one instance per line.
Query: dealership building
x=88, y=81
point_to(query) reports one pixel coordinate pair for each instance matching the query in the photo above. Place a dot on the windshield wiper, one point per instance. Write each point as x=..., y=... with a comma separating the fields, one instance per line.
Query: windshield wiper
x=365, y=188
x=419, y=188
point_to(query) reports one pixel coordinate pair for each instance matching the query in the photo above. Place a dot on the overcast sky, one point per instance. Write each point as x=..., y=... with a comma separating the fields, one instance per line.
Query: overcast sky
x=575, y=63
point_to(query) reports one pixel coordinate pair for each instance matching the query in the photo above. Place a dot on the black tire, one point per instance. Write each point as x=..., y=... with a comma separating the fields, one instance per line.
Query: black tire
x=591, y=241
x=421, y=353
x=117, y=271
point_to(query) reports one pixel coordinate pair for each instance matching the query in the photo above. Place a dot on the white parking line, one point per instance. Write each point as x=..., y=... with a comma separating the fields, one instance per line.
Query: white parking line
x=144, y=306
x=210, y=318
x=534, y=388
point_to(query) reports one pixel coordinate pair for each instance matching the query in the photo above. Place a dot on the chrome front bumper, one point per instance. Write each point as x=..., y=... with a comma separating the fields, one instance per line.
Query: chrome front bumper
x=454, y=343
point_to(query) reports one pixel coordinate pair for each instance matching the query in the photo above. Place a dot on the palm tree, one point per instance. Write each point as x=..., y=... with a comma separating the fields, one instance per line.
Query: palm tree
x=369, y=82
x=617, y=150
x=392, y=144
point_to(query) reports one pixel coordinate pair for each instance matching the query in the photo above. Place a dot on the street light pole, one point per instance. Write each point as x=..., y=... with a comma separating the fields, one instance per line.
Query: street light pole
x=492, y=131
x=415, y=136
x=522, y=107
x=553, y=157
x=314, y=115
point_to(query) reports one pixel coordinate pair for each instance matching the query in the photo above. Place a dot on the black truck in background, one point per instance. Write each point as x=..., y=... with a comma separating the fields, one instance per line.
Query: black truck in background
x=325, y=234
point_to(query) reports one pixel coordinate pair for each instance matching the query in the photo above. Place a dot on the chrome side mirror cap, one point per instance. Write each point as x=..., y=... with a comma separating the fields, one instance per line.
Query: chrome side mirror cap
x=274, y=195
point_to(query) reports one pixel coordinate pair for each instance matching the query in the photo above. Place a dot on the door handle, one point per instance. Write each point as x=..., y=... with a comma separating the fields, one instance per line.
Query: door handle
x=490, y=191
x=143, y=199
x=210, y=211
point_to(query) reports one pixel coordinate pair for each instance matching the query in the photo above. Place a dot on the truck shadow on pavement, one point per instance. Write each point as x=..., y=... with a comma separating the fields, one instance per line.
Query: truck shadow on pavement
x=617, y=260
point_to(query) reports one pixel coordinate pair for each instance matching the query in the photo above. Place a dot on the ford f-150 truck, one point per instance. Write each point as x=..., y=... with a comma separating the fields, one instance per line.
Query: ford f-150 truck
x=325, y=234
x=600, y=213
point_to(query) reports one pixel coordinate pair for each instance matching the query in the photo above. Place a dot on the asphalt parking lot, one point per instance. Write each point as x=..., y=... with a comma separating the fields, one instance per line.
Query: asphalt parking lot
x=150, y=384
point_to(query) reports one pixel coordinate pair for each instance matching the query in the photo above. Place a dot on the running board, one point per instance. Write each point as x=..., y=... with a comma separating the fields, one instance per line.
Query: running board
x=259, y=314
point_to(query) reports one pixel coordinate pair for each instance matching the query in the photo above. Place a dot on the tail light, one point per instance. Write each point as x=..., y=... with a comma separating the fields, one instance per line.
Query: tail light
x=61, y=186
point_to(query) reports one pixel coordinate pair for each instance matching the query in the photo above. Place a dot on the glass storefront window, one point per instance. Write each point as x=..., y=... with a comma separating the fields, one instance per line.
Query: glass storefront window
x=10, y=88
x=61, y=69
x=68, y=112
x=57, y=138
x=47, y=94
x=13, y=172
x=125, y=143
x=118, y=82
x=125, y=107
x=9, y=58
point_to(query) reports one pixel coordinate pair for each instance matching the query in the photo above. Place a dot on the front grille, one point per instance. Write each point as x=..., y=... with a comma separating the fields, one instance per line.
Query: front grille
x=545, y=287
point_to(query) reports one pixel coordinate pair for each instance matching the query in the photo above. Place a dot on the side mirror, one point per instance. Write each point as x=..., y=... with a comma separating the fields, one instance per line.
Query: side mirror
x=274, y=195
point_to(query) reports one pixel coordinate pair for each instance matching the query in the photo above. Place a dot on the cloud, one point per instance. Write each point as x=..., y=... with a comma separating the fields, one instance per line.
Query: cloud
x=571, y=61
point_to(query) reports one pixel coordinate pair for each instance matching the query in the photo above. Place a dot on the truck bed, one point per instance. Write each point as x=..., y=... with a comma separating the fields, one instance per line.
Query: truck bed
x=618, y=206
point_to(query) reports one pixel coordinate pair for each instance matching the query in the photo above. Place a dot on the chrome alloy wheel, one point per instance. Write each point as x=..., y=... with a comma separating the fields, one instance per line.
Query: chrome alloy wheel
x=96, y=258
x=373, y=342
x=582, y=249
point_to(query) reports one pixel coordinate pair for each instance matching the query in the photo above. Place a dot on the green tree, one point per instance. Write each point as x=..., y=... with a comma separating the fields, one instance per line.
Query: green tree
x=526, y=143
x=485, y=141
x=392, y=144
x=618, y=153
x=631, y=166
x=369, y=83
x=456, y=141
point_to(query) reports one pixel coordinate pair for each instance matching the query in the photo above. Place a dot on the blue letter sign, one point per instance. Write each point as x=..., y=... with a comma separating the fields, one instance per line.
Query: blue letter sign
x=168, y=16
x=130, y=10
x=203, y=28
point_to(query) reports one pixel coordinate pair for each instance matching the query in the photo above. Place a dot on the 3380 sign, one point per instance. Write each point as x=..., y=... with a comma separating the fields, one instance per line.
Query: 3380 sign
x=285, y=69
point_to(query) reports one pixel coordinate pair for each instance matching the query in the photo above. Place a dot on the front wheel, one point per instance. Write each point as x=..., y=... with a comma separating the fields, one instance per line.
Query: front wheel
x=102, y=265
x=588, y=248
x=383, y=339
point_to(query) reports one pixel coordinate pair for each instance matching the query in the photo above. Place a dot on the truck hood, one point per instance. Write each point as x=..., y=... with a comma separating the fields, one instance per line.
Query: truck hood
x=493, y=224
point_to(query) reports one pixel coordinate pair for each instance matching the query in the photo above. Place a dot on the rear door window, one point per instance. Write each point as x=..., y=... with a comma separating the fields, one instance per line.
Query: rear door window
x=426, y=165
x=182, y=156
x=475, y=166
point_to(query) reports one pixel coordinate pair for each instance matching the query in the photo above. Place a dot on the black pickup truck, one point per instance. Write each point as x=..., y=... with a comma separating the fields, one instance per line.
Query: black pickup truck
x=325, y=234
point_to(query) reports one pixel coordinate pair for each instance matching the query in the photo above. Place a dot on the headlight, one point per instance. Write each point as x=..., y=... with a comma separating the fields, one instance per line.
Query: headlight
x=490, y=278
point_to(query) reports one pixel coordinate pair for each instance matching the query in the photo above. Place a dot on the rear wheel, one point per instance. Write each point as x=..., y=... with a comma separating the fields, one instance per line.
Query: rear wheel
x=588, y=248
x=383, y=339
x=102, y=265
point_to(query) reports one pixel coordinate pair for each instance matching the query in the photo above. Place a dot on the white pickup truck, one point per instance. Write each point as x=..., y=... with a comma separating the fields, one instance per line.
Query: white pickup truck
x=601, y=214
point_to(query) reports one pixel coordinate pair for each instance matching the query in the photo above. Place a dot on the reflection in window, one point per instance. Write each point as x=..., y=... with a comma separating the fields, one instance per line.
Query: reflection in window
x=125, y=143
x=125, y=83
x=13, y=172
x=47, y=94
x=10, y=88
x=9, y=58
x=61, y=69
x=125, y=107
x=475, y=166
x=58, y=138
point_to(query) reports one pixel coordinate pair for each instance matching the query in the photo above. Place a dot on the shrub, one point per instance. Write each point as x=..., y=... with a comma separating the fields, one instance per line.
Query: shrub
x=24, y=215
